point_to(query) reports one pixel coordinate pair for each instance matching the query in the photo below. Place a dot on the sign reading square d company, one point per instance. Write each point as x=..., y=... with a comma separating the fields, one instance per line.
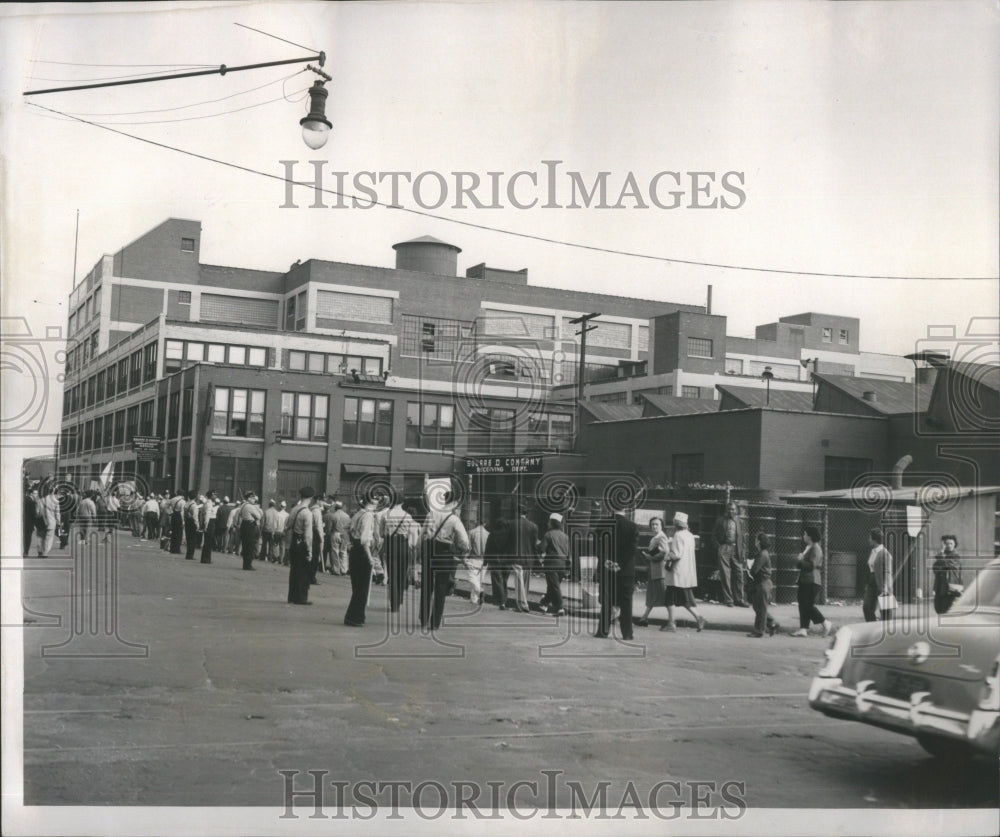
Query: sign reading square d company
x=519, y=464
x=147, y=447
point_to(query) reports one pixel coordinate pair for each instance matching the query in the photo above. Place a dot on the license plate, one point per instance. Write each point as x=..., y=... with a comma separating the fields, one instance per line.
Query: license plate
x=901, y=685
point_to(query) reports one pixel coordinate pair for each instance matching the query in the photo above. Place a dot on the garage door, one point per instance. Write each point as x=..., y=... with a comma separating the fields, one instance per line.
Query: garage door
x=294, y=475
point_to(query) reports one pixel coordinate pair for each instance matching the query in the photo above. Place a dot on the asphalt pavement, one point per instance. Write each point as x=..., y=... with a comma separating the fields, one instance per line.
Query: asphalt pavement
x=171, y=683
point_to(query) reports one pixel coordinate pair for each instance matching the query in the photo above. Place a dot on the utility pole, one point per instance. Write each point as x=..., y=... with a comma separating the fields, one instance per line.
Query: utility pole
x=584, y=328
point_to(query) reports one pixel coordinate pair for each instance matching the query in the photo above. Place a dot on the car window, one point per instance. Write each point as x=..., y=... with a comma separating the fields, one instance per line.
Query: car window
x=983, y=592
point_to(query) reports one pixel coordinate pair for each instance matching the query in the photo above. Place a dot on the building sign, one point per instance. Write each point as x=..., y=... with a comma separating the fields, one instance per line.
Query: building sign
x=519, y=464
x=147, y=447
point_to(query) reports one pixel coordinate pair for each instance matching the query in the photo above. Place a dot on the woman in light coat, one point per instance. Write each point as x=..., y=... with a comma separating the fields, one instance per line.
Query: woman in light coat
x=681, y=574
x=656, y=555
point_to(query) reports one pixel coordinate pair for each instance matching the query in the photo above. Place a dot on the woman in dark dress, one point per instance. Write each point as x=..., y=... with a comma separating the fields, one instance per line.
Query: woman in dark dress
x=810, y=564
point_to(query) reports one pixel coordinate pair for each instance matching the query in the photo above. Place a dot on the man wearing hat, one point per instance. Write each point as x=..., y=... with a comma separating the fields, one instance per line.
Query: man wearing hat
x=270, y=533
x=555, y=555
x=617, y=575
x=249, y=517
x=340, y=523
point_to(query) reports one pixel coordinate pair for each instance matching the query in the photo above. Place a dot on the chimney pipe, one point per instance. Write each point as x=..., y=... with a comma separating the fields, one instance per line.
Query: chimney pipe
x=898, y=468
x=708, y=305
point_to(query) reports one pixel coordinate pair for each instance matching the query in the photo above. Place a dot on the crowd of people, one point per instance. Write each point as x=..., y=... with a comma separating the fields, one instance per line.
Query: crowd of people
x=392, y=543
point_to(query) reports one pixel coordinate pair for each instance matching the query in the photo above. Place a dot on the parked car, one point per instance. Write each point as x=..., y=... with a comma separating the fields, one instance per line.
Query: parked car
x=936, y=678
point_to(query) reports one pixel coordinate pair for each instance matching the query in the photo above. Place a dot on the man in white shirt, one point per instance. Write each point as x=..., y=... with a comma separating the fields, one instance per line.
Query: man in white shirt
x=400, y=535
x=445, y=544
x=279, y=542
x=362, y=561
x=206, y=522
x=151, y=518
x=474, y=563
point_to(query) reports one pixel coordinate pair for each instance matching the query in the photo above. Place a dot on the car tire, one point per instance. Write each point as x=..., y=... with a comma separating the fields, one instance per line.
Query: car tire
x=942, y=748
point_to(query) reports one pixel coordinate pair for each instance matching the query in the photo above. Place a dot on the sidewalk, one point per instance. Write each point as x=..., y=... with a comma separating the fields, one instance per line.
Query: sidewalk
x=717, y=616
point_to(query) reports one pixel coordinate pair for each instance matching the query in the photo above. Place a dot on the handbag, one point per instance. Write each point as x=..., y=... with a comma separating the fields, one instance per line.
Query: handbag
x=887, y=601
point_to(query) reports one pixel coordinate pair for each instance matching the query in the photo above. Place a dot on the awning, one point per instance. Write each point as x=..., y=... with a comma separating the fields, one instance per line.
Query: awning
x=361, y=470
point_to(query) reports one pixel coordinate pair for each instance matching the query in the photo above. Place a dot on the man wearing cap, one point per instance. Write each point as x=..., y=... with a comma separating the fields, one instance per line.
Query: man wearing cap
x=363, y=560
x=298, y=542
x=221, y=523
x=555, y=555
x=249, y=517
x=728, y=536
x=445, y=544
x=269, y=533
x=206, y=522
x=526, y=553
x=617, y=575
x=400, y=536
x=280, y=553
x=478, y=536
x=341, y=522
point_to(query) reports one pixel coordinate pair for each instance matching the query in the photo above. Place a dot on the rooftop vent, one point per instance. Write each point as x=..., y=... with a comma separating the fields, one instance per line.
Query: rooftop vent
x=870, y=395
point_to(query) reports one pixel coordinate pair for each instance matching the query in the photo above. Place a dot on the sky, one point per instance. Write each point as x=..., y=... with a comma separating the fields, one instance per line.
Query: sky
x=860, y=138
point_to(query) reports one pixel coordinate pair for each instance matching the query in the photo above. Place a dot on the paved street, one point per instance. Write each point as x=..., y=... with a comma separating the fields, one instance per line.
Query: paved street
x=237, y=686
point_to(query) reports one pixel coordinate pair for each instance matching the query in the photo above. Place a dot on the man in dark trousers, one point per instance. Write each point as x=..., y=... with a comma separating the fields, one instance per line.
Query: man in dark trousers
x=728, y=536
x=617, y=578
x=526, y=543
x=298, y=543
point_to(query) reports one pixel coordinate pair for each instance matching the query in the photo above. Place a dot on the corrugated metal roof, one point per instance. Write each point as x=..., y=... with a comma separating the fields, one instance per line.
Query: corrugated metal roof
x=780, y=399
x=891, y=397
x=674, y=405
x=866, y=495
x=603, y=411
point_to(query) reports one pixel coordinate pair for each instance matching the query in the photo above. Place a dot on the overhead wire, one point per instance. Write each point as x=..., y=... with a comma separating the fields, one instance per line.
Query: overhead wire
x=202, y=116
x=122, y=77
x=528, y=236
x=262, y=32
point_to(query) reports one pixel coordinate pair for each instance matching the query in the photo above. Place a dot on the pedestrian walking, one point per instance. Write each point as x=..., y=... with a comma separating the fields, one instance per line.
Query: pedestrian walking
x=206, y=522
x=947, y=571
x=270, y=534
x=810, y=565
x=445, y=544
x=49, y=518
x=280, y=553
x=86, y=517
x=341, y=539
x=317, y=545
x=249, y=518
x=400, y=536
x=555, y=562
x=656, y=556
x=728, y=536
x=617, y=578
x=497, y=560
x=878, y=602
x=526, y=545
x=763, y=588
x=298, y=542
x=681, y=574
x=151, y=519
x=363, y=561
x=474, y=564
x=191, y=533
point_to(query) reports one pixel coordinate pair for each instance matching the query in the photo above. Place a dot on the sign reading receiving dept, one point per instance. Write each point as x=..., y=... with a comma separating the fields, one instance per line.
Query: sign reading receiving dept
x=147, y=447
x=521, y=464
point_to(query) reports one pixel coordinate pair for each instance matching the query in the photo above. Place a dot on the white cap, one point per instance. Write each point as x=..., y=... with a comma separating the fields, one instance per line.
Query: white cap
x=681, y=517
x=556, y=517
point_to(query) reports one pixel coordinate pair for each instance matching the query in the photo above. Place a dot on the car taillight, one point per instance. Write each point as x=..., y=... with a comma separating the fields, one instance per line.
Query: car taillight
x=989, y=695
x=836, y=654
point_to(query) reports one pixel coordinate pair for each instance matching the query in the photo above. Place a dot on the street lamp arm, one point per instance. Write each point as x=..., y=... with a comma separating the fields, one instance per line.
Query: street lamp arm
x=221, y=70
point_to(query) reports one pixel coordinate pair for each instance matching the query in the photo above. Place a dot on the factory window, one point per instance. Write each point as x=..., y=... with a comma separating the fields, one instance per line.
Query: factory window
x=98, y=432
x=216, y=353
x=690, y=392
x=516, y=324
x=430, y=426
x=734, y=366
x=303, y=416
x=367, y=422
x=435, y=338
x=643, y=338
x=827, y=335
x=146, y=418
x=699, y=347
x=132, y=423
x=149, y=362
x=184, y=297
x=135, y=369
x=187, y=245
x=360, y=308
x=120, y=427
x=109, y=430
x=222, y=308
x=238, y=412
x=99, y=394
x=608, y=335
x=122, y=375
x=844, y=337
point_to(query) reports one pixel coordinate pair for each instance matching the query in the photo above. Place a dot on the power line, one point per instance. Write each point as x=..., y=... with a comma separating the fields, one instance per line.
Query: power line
x=283, y=80
x=262, y=32
x=117, y=78
x=77, y=64
x=502, y=231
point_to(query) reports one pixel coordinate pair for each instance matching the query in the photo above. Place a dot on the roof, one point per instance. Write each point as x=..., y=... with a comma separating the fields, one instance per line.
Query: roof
x=675, y=405
x=428, y=239
x=892, y=397
x=780, y=399
x=862, y=495
x=604, y=411
x=983, y=374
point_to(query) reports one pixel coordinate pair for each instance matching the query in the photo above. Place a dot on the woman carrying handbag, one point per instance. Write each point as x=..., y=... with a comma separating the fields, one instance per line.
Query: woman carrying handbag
x=879, y=602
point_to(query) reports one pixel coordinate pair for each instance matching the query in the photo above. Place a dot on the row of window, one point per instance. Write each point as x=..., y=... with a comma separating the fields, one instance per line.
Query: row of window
x=117, y=428
x=333, y=364
x=85, y=313
x=118, y=378
x=177, y=353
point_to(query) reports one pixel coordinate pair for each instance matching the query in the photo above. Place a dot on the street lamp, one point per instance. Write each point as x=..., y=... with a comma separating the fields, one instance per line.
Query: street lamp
x=315, y=126
x=767, y=374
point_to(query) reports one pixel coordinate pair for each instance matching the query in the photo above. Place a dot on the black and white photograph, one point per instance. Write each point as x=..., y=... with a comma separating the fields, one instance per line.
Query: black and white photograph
x=603, y=398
